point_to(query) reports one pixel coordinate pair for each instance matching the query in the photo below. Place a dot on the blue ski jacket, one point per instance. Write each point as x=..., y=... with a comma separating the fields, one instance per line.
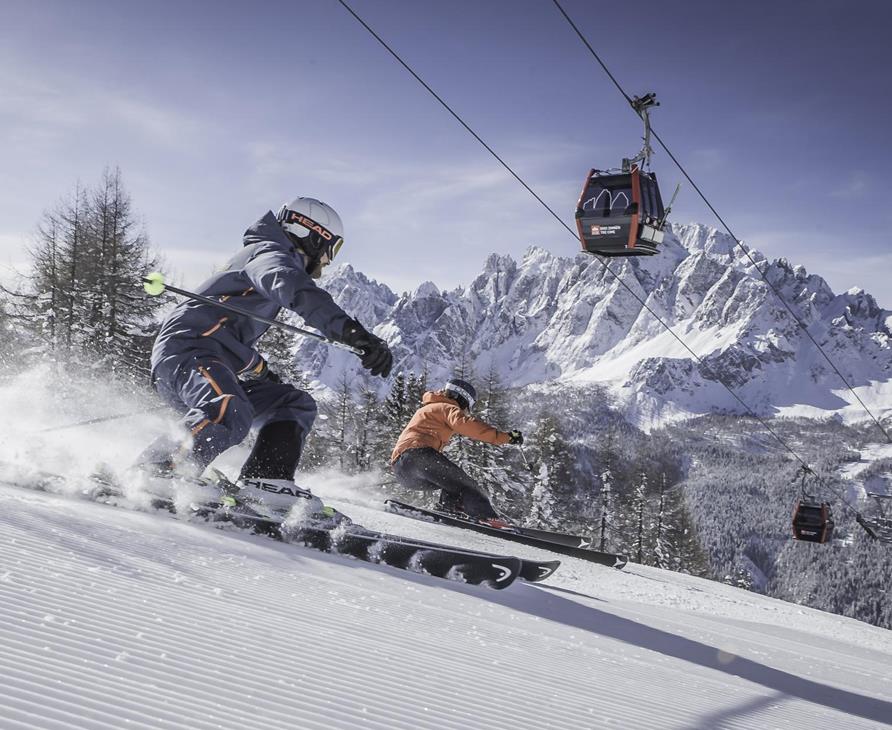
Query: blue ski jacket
x=265, y=276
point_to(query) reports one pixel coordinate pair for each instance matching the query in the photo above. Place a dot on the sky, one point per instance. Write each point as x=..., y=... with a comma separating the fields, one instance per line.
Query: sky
x=216, y=112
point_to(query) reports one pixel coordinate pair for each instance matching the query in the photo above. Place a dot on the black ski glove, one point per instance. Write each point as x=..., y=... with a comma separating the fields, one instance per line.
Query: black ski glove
x=259, y=373
x=515, y=437
x=376, y=354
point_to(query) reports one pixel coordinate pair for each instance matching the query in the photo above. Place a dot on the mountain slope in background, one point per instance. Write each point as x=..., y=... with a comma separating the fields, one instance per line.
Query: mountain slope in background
x=568, y=319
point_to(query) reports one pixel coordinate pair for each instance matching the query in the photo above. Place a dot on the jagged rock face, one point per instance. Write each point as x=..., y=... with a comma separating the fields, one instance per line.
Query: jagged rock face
x=570, y=319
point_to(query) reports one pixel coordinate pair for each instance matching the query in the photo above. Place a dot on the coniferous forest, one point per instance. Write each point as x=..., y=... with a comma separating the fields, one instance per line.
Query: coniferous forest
x=710, y=496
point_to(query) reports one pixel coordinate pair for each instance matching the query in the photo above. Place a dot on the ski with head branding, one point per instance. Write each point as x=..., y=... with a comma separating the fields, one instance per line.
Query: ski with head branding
x=564, y=544
x=349, y=539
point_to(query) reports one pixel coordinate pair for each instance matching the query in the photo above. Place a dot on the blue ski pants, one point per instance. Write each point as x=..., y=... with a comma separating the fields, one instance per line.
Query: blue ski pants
x=219, y=409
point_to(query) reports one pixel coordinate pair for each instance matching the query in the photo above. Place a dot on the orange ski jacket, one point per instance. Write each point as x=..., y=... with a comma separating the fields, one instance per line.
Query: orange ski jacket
x=437, y=421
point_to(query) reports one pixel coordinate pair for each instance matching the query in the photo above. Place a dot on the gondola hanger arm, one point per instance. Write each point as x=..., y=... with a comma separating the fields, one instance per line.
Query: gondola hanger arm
x=642, y=105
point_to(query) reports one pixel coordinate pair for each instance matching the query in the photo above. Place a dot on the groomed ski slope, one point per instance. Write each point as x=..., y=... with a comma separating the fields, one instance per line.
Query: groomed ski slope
x=113, y=619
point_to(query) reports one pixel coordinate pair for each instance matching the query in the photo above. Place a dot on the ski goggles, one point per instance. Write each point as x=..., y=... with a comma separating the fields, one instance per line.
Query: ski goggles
x=322, y=242
x=330, y=251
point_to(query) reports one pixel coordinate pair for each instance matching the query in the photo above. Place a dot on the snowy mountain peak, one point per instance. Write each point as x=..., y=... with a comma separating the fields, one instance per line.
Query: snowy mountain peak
x=571, y=319
x=365, y=299
x=697, y=238
x=426, y=289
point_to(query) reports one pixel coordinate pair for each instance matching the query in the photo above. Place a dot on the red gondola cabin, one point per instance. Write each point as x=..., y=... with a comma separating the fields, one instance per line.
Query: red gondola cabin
x=620, y=213
x=812, y=521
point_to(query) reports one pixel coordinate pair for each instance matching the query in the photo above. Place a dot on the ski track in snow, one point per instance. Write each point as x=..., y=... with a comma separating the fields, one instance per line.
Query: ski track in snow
x=869, y=454
x=112, y=618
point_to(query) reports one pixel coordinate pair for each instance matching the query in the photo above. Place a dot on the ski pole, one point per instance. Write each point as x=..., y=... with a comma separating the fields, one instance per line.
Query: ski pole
x=154, y=285
x=525, y=460
x=102, y=419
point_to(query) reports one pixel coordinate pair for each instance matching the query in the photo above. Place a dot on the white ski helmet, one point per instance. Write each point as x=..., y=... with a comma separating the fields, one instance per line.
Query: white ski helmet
x=315, y=228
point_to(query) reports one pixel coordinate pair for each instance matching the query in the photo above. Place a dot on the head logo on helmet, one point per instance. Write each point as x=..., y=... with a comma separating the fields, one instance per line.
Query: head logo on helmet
x=308, y=223
x=314, y=228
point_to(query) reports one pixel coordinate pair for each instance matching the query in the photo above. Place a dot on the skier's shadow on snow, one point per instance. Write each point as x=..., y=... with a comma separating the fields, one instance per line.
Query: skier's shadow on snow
x=545, y=604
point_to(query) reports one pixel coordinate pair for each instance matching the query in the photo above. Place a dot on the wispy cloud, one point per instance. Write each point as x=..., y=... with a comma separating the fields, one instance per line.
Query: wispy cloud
x=37, y=111
x=455, y=211
x=854, y=186
x=708, y=159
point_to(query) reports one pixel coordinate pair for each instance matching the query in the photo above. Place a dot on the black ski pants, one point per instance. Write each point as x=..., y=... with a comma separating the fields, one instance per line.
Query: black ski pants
x=426, y=468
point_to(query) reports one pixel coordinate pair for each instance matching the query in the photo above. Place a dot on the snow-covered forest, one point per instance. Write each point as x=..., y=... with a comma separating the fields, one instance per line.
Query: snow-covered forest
x=692, y=487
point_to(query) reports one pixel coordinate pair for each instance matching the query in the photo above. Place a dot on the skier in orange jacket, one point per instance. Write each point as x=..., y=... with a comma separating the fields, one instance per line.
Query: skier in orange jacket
x=417, y=460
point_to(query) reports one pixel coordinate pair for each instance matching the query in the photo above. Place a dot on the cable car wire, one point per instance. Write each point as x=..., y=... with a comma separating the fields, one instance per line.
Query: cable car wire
x=600, y=259
x=457, y=117
x=721, y=220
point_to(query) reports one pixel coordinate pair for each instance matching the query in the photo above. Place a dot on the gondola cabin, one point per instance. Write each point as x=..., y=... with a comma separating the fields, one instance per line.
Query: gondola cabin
x=812, y=521
x=620, y=213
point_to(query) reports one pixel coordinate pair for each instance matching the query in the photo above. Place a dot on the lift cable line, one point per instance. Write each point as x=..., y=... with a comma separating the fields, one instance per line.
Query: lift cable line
x=802, y=325
x=600, y=259
x=573, y=233
x=457, y=117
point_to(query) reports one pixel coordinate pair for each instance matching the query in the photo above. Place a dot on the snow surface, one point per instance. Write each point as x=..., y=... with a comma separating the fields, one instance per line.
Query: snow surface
x=869, y=454
x=114, y=618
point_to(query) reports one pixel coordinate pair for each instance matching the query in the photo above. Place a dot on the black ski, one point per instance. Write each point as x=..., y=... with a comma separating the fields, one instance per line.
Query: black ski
x=613, y=560
x=531, y=571
x=441, y=561
x=564, y=538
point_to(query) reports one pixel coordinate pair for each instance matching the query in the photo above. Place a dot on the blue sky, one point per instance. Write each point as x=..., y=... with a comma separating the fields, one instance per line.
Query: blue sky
x=217, y=112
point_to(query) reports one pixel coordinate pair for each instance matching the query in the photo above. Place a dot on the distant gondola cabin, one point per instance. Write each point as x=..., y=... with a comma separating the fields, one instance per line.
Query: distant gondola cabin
x=620, y=213
x=812, y=521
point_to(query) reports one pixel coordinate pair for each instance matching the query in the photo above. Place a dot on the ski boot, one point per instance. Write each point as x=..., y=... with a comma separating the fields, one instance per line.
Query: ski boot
x=168, y=484
x=497, y=523
x=455, y=506
x=451, y=505
x=282, y=499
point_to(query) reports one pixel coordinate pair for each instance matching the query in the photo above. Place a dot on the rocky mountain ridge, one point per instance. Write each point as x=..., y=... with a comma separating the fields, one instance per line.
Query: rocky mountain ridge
x=548, y=318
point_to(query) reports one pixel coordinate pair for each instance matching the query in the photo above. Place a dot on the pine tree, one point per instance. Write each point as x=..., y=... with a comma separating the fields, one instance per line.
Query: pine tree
x=10, y=337
x=317, y=451
x=551, y=477
x=123, y=313
x=84, y=297
x=639, y=510
x=397, y=409
x=607, y=513
x=277, y=346
x=663, y=552
x=607, y=522
x=416, y=387
x=73, y=260
x=367, y=429
x=488, y=464
x=342, y=422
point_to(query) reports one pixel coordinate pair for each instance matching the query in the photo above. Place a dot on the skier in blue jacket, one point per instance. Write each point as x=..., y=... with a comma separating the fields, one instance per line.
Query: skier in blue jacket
x=205, y=365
